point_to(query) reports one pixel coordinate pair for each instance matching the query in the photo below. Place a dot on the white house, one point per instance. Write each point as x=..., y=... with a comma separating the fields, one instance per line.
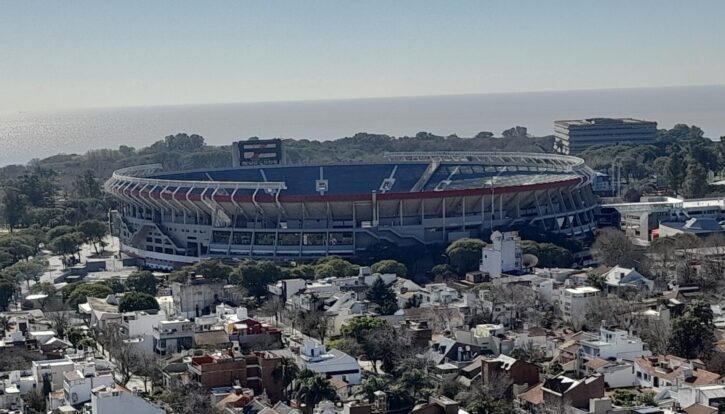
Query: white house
x=622, y=277
x=334, y=363
x=504, y=256
x=119, y=400
x=54, y=368
x=669, y=371
x=617, y=374
x=138, y=329
x=612, y=343
x=78, y=383
x=574, y=302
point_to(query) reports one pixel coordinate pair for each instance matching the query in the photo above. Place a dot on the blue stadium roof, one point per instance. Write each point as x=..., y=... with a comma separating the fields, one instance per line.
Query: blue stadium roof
x=365, y=178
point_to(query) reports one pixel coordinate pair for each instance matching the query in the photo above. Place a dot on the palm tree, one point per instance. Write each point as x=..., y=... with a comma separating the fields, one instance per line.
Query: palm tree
x=286, y=372
x=313, y=390
x=371, y=384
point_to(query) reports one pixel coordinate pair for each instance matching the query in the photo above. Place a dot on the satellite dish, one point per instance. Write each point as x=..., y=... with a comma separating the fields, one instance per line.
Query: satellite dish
x=529, y=260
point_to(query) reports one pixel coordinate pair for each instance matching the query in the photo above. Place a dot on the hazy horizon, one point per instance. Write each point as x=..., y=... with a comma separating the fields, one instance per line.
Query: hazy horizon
x=88, y=54
x=40, y=134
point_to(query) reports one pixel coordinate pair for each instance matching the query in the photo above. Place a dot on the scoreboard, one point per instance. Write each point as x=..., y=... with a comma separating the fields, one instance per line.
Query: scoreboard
x=257, y=152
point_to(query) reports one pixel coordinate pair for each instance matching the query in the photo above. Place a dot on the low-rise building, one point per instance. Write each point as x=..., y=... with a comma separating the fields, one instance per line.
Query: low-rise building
x=561, y=392
x=138, y=328
x=669, y=371
x=229, y=368
x=612, y=343
x=574, y=303
x=331, y=363
x=78, y=383
x=503, y=256
x=117, y=399
x=618, y=278
x=173, y=336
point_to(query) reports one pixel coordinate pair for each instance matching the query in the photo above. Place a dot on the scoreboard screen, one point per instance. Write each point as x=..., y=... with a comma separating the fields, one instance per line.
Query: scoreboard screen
x=258, y=152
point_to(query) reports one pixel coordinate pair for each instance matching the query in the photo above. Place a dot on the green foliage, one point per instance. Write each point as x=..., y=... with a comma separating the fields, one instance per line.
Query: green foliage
x=78, y=292
x=8, y=288
x=87, y=186
x=212, y=269
x=693, y=333
x=45, y=288
x=311, y=390
x=550, y=255
x=334, y=266
x=137, y=301
x=142, y=281
x=629, y=398
x=67, y=244
x=464, y=255
x=596, y=281
x=115, y=284
x=93, y=231
x=390, y=267
x=255, y=276
x=26, y=270
x=58, y=231
x=383, y=296
x=359, y=328
x=695, y=183
x=304, y=271
x=13, y=204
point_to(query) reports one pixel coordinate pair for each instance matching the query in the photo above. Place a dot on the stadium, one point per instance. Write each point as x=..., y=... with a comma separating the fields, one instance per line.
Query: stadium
x=282, y=211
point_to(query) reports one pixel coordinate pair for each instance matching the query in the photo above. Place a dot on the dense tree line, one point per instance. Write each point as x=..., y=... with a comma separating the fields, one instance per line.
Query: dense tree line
x=679, y=161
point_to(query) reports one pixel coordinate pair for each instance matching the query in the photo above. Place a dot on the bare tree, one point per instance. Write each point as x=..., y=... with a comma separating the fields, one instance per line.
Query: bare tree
x=613, y=247
x=121, y=353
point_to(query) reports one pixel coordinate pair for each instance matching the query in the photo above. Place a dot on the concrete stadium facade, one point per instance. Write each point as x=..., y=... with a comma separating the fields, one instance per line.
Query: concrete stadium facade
x=169, y=219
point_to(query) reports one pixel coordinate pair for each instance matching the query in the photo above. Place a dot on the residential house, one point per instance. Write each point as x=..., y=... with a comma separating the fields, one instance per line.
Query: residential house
x=574, y=303
x=616, y=373
x=173, y=336
x=665, y=371
x=78, y=383
x=229, y=368
x=138, y=329
x=100, y=312
x=331, y=363
x=117, y=399
x=504, y=369
x=620, y=278
x=612, y=343
x=562, y=391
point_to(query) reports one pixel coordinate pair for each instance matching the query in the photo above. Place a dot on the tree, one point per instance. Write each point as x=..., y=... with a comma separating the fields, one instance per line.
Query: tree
x=142, y=281
x=137, y=301
x=515, y=132
x=693, y=333
x=314, y=323
x=93, y=232
x=255, y=276
x=67, y=244
x=612, y=247
x=35, y=402
x=58, y=231
x=78, y=292
x=313, y=390
x=13, y=206
x=675, y=171
x=28, y=270
x=549, y=255
x=464, y=255
x=285, y=372
x=121, y=352
x=390, y=267
x=115, y=284
x=216, y=270
x=45, y=288
x=7, y=290
x=695, y=183
x=359, y=328
x=87, y=186
x=334, y=266
x=383, y=296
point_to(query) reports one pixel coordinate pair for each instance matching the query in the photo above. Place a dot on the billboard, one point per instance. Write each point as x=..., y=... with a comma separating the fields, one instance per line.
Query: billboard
x=257, y=152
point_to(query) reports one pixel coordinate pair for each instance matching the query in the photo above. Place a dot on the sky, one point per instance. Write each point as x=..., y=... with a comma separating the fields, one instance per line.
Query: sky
x=79, y=54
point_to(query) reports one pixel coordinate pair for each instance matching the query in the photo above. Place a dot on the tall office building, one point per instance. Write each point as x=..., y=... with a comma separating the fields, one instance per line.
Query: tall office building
x=577, y=135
